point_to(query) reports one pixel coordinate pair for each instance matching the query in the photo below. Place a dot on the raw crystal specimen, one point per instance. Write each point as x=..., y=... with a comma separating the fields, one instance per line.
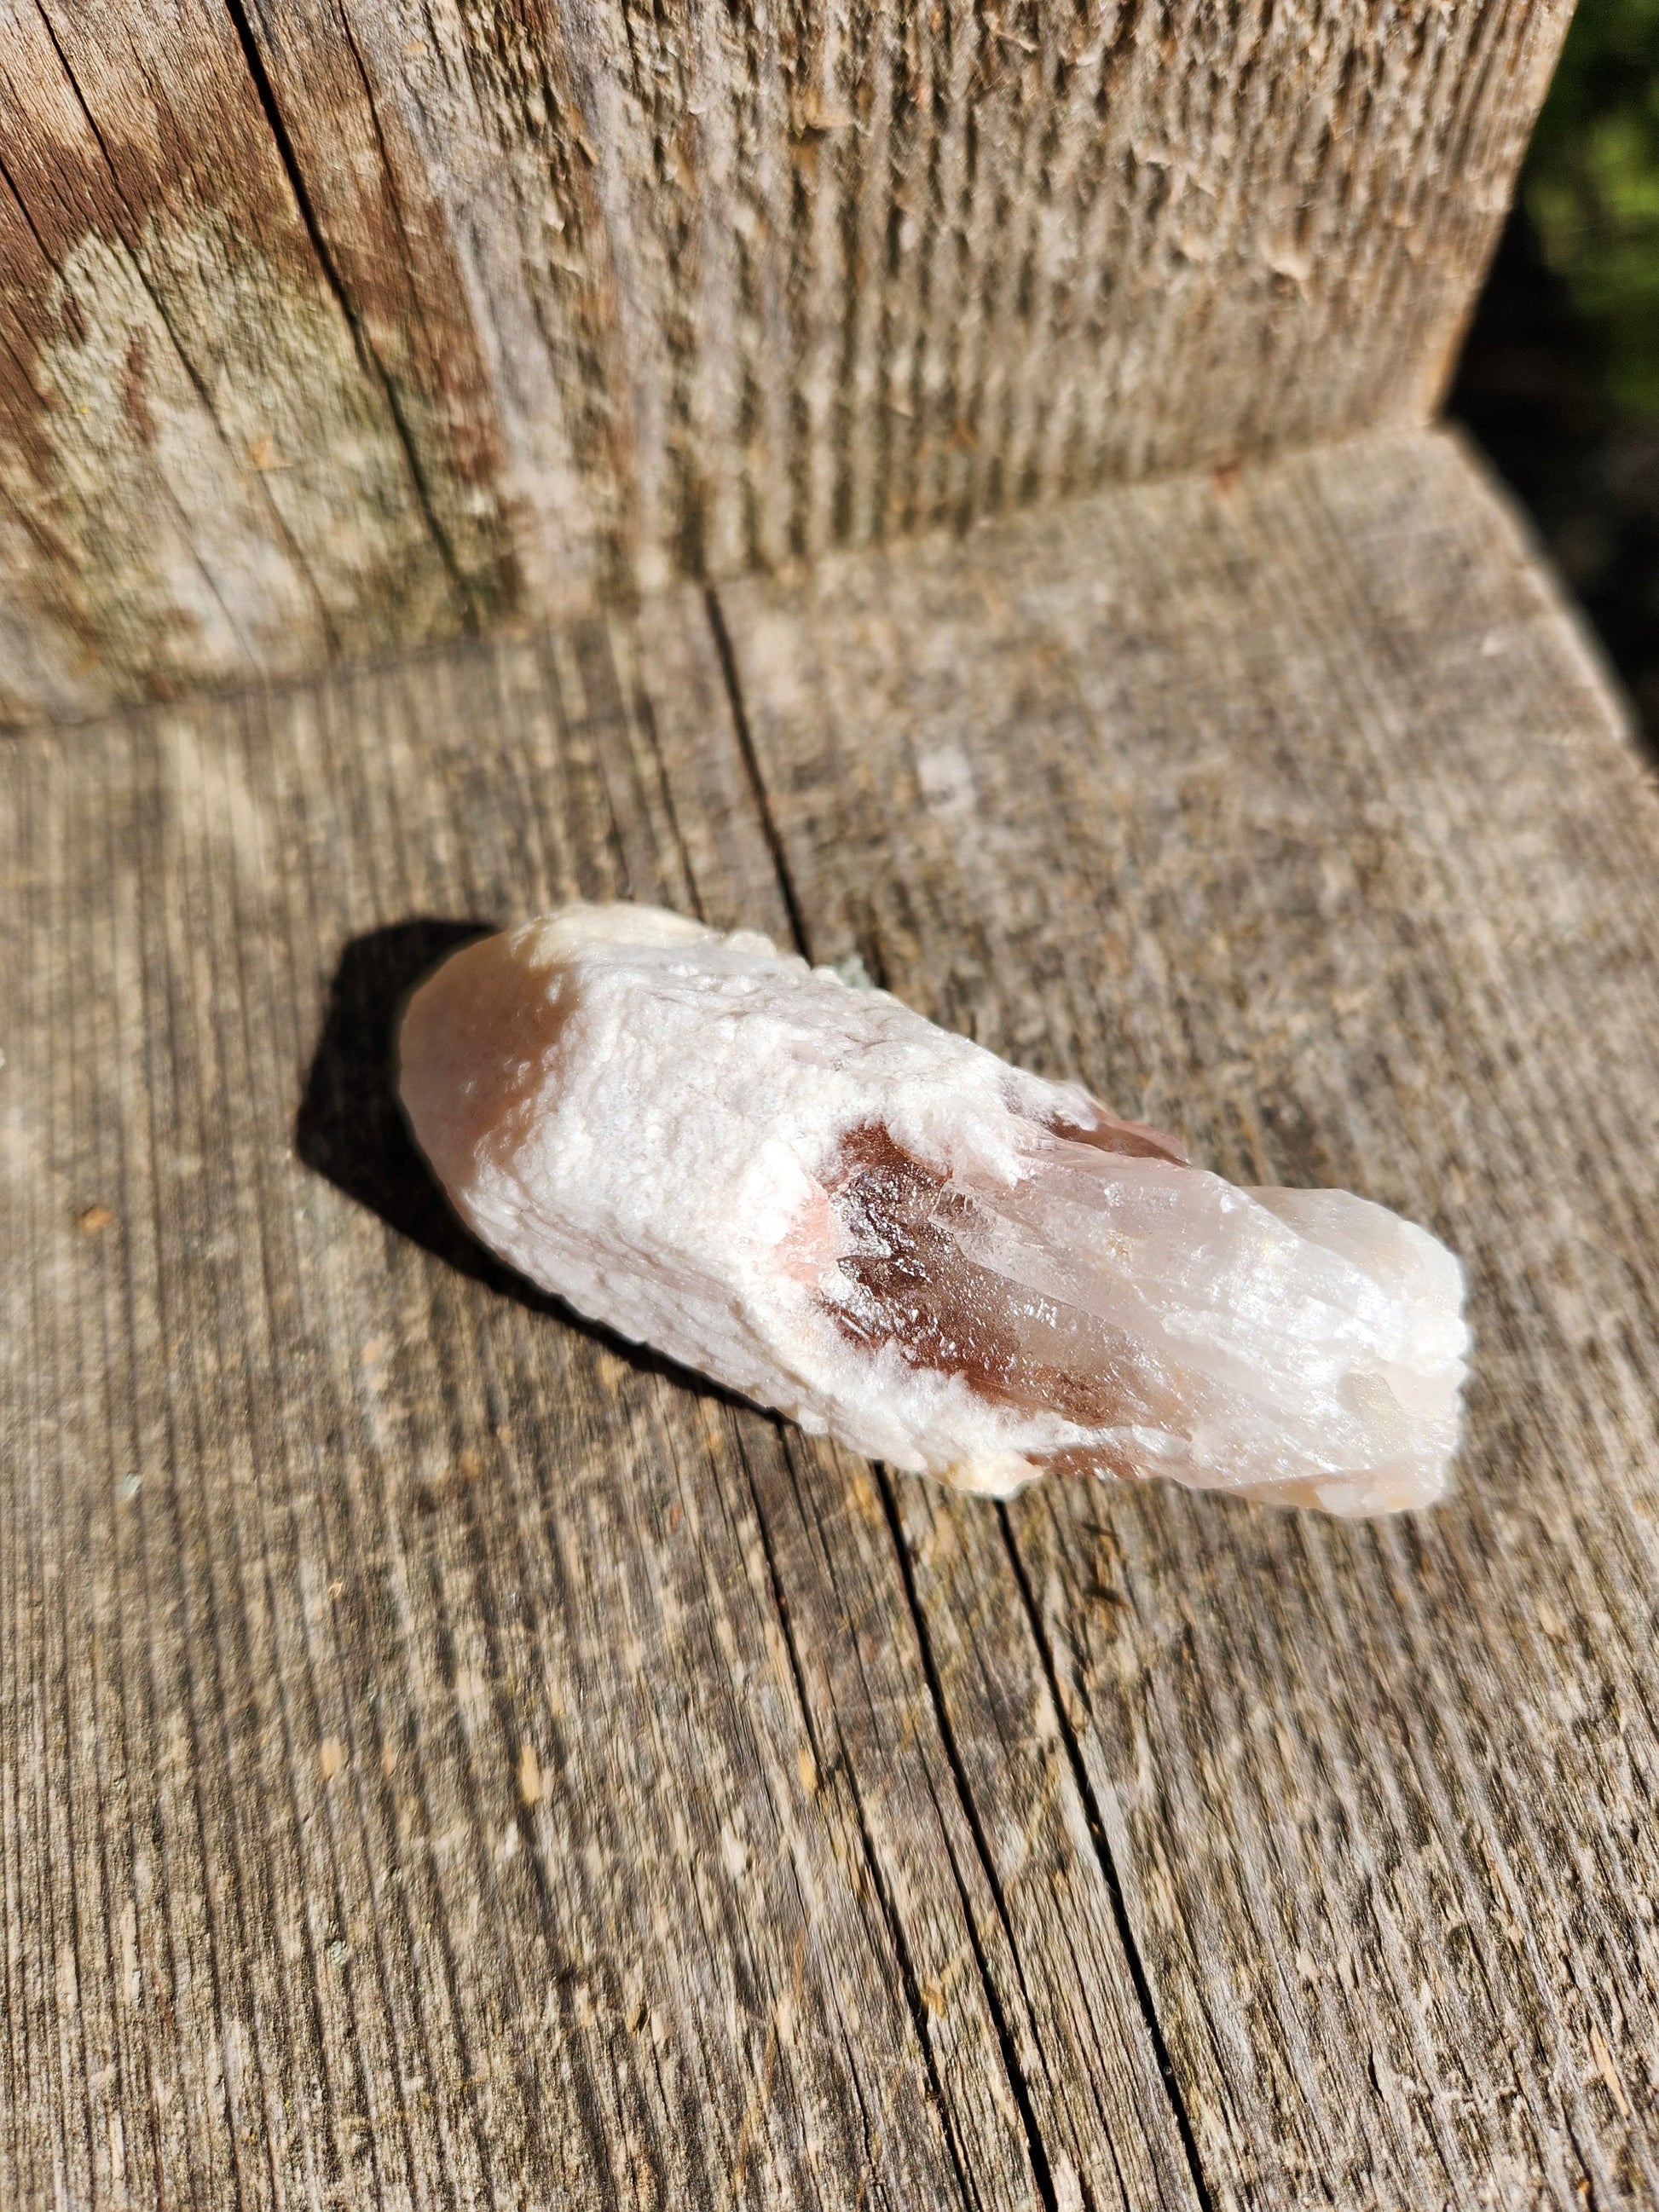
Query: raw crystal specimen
x=821, y=1200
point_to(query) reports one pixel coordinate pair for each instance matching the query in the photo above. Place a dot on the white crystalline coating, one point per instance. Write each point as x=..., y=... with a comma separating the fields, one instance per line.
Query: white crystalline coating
x=816, y=1197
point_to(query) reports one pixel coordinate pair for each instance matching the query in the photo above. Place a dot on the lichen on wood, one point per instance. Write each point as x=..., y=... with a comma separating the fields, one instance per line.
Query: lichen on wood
x=206, y=481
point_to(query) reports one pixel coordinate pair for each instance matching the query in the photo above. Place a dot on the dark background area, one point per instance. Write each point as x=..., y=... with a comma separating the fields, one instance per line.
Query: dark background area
x=1559, y=381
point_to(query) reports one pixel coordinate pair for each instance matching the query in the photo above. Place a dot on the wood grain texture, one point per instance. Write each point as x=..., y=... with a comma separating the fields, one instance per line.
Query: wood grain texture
x=335, y=323
x=200, y=476
x=446, y=1758
x=1288, y=814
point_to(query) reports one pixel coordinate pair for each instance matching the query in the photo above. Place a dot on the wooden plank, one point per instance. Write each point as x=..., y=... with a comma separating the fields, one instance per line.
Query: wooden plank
x=445, y=1758
x=337, y=322
x=1289, y=810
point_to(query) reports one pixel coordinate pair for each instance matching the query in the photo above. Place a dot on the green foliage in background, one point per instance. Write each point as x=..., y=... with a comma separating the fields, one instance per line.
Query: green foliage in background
x=1592, y=188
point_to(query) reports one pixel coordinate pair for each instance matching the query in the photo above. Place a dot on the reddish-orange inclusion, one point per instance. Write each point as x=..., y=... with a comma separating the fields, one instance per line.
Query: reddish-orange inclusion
x=917, y=1289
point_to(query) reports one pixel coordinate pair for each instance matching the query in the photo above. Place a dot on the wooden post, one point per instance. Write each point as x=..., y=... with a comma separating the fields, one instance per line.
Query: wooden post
x=331, y=325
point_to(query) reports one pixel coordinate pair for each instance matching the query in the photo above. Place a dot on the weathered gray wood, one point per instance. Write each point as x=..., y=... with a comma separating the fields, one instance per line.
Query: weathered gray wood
x=333, y=323
x=1288, y=811
x=445, y=1758
x=200, y=476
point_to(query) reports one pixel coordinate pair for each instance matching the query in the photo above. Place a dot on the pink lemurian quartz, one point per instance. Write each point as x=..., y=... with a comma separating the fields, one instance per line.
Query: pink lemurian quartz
x=816, y=1197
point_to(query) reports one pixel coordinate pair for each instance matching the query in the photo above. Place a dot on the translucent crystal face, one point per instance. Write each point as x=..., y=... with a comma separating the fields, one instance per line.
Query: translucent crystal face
x=1300, y=1343
x=910, y=1279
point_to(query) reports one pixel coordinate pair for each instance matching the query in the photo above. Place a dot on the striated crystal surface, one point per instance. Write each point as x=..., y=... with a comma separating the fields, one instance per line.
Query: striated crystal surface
x=821, y=1200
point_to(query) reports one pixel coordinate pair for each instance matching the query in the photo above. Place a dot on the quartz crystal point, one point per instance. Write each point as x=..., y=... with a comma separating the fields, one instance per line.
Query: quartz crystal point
x=816, y=1197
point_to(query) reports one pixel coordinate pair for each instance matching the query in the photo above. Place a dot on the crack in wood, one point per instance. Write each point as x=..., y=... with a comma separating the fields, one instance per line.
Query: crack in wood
x=367, y=353
x=1018, y=2084
x=752, y=768
x=827, y=1771
x=1108, y=1864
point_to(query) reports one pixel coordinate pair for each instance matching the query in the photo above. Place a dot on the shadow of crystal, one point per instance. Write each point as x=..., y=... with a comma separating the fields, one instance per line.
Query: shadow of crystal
x=351, y=1129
